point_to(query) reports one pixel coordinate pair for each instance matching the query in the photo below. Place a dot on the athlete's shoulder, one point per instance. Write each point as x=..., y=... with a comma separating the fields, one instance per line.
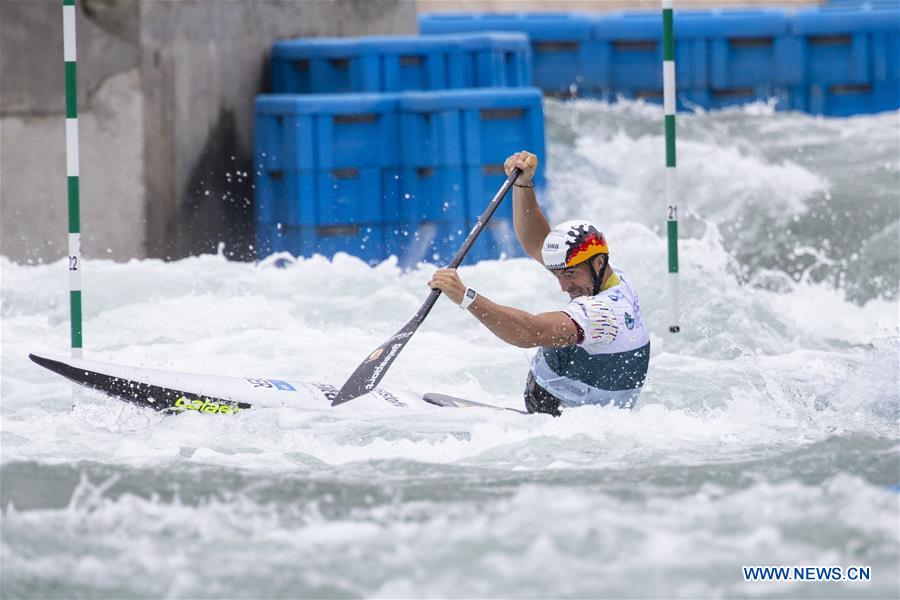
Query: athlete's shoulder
x=622, y=289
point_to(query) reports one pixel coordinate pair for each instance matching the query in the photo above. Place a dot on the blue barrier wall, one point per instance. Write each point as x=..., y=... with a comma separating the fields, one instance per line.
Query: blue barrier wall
x=453, y=146
x=838, y=60
x=561, y=43
x=396, y=173
x=404, y=151
x=397, y=63
x=847, y=60
x=326, y=173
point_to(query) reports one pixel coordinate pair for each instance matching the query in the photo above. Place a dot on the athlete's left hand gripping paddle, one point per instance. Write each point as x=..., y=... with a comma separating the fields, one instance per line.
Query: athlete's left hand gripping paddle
x=367, y=375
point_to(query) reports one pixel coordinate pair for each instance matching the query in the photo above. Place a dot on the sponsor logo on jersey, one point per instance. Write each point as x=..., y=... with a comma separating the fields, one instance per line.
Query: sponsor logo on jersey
x=551, y=246
x=629, y=321
x=583, y=308
x=205, y=406
x=603, y=324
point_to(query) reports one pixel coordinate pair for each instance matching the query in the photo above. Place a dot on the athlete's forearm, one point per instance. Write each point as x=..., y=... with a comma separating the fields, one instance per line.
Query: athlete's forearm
x=529, y=221
x=511, y=325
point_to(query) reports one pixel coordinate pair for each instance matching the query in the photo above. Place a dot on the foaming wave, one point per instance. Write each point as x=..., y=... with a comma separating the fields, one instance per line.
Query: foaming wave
x=696, y=543
x=753, y=365
x=796, y=194
x=390, y=541
x=717, y=181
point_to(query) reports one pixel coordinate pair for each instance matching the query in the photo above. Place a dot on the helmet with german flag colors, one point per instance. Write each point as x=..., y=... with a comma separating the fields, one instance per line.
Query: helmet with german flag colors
x=571, y=243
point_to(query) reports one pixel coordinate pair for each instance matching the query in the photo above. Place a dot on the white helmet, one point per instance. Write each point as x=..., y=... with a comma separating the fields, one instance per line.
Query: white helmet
x=571, y=243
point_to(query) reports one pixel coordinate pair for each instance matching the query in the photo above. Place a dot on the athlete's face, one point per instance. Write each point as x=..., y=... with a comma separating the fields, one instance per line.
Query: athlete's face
x=576, y=281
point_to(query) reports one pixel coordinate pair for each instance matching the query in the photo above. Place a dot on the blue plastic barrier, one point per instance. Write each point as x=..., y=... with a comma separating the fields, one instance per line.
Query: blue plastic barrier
x=366, y=242
x=335, y=162
x=433, y=241
x=849, y=60
x=496, y=123
x=743, y=46
x=322, y=66
x=453, y=145
x=432, y=194
x=432, y=211
x=831, y=60
x=629, y=56
x=866, y=3
x=397, y=63
x=416, y=62
x=429, y=135
x=561, y=44
x=324, y=163
x=337, y=197
x=297, y=132
x=498, y=238
x=721, y=57
x=496, y=59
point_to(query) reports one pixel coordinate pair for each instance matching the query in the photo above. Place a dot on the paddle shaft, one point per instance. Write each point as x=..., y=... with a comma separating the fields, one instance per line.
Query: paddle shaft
x=368, y=374
x=470, y=239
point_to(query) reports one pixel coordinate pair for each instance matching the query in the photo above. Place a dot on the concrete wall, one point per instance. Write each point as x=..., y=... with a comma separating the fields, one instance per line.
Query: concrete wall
x=32, y=131
x=166, y=93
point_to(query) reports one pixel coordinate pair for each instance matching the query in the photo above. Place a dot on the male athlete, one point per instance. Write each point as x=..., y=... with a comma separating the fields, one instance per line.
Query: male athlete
x=595, y=350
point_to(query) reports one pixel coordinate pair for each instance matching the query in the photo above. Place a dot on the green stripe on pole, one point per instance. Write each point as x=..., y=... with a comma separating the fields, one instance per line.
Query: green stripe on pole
x=668, y=37
x=670, y=108
x=74, y=206
x=670, y=140
x=72, y=181
x=71, y=92
x=75, y=305
x=673, y=246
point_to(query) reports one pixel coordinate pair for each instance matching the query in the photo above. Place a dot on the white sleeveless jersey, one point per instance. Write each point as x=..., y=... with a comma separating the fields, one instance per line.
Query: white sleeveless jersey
x=610, y=363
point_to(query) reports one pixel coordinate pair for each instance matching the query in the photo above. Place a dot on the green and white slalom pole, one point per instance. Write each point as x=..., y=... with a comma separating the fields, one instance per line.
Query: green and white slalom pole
x=72, y=176
x=671, y=180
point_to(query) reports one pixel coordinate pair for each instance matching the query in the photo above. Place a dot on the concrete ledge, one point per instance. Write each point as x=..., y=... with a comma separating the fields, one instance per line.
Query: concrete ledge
x=166, y=117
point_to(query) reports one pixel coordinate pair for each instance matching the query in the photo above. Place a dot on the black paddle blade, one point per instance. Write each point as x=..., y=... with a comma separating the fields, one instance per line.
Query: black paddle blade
x=367, y=375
